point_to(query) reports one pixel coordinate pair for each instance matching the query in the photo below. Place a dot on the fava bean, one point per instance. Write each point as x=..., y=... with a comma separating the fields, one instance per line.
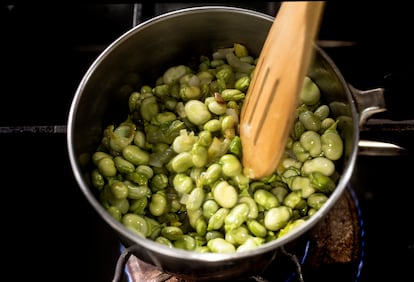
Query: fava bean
x=172, y=170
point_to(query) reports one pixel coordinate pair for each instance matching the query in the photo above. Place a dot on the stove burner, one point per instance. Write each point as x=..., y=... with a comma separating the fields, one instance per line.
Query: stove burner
x=333, y=249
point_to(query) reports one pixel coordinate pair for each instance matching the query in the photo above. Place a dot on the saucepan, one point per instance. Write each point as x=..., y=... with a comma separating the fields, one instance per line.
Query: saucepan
x=172, y=38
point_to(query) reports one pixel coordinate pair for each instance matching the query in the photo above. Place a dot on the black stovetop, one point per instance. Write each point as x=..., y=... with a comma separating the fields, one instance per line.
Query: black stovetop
x=50, y=232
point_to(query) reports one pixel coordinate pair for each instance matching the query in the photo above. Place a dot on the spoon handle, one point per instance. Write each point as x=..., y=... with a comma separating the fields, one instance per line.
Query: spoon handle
x=269, y=109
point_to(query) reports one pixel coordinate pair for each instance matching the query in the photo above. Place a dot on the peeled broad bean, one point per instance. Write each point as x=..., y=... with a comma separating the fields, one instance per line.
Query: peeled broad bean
x=225, y=194
x=219, y=245
x=277, y=217
x=172, y=170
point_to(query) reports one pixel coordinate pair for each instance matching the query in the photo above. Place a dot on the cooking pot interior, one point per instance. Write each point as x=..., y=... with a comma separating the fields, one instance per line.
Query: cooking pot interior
x=139, y=57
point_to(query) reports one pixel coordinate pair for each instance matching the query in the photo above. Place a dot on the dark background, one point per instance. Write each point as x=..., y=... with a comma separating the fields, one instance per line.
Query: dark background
x=50, y=232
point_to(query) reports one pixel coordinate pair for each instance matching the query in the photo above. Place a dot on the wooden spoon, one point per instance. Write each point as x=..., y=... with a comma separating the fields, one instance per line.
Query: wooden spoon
x=268, y=112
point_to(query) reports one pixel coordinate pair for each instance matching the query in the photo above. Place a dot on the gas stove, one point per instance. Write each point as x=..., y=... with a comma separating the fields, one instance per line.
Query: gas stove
x=53, y=233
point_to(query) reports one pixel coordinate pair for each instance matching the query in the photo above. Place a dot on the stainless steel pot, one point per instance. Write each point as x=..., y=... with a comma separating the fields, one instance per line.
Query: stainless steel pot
x=172, y=38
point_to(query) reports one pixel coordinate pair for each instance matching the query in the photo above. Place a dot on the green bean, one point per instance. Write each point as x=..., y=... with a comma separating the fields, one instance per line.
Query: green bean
x=163, y=117
x=216, y=221
x=302, y=184
x=300, y=153
x=236, y=217
x=212, y=174
x=332, y=144
x=182, y=162
x=230, y=165
x=172, y=233
x=280, y=193
x=145, y=170
x=115, y=213
x=97, y=179
x=242, y=84
x=149, y=108
x=159, y=182
x=210, y=206
x=237, y=235
x=119, y=189
x=189, y=92
x=183, y=183
x=225, y=194
x=251, y=203
x=219, y=245
x=173, y=74
x=185, y=242
x=232, y=95
x=135, y=155
x=256, y=228
x=310, y=121
x=196, y=198
x=292, y=199
x=97, y=156
x=322, y=112
x=319, y=164
x=154, y=228
x=138, y=206
x=290, y=226
x=161, y=90
x=250, y=244
x=135, y=223
x=265, y=199
x=322, y=182
x=106, y=167
x=137, y=178
x=123, y=166
x=197, y=112
x=213, y=234
x=310, y=93
x=184, y=142
x=317, y=200
x=164, y=241
x=213, y=125
x=134, y=101
x=311, y=142
x=158, y=204
x=276, y=218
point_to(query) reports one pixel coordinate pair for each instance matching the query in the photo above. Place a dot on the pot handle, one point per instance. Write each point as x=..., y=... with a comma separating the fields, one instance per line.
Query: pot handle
x=380, y=136
x=368, y=102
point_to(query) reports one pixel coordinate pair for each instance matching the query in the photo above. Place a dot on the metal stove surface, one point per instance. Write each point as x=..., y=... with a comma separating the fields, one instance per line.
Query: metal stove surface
x=50, y=232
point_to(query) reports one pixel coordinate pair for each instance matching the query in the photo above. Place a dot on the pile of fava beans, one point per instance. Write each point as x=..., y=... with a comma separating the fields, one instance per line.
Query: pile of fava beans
x=171, y=169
